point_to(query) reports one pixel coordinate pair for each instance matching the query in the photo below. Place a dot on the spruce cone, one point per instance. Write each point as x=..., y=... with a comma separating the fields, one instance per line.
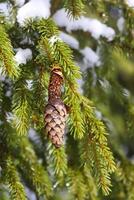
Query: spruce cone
x=55, y=111
x=55, y=117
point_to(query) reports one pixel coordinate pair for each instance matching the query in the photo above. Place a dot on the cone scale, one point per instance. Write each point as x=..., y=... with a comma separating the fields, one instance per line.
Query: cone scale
x=55, y=110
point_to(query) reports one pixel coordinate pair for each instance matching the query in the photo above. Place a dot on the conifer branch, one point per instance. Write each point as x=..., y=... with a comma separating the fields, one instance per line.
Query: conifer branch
x=74, y=8
x=39, y=91
x=63, y=55
x=11, y=177
x=57, y=161
x=77, y=186
x=56, y=51
x=47, y=28
x=60, y=53
x=90, y=182
x=28, y=164
x=6, y=56
x=96, y=146
x=21, y=107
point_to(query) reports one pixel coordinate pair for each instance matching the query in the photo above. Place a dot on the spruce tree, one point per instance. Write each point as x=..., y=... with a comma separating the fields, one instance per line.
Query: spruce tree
x=66, y=99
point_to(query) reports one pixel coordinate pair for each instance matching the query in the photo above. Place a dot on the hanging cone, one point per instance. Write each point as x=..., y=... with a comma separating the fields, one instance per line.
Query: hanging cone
x=55, y=111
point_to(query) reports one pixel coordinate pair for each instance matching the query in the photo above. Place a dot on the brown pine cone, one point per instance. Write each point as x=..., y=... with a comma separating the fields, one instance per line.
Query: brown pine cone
x=55, y=117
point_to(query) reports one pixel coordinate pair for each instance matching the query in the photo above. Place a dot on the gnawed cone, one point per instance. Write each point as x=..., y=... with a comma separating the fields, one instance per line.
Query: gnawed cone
x=55, y=111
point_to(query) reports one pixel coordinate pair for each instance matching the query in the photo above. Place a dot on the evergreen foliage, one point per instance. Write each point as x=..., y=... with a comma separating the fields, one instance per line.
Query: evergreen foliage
x=93, y=163
x=6, y=55
x=74, y=7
